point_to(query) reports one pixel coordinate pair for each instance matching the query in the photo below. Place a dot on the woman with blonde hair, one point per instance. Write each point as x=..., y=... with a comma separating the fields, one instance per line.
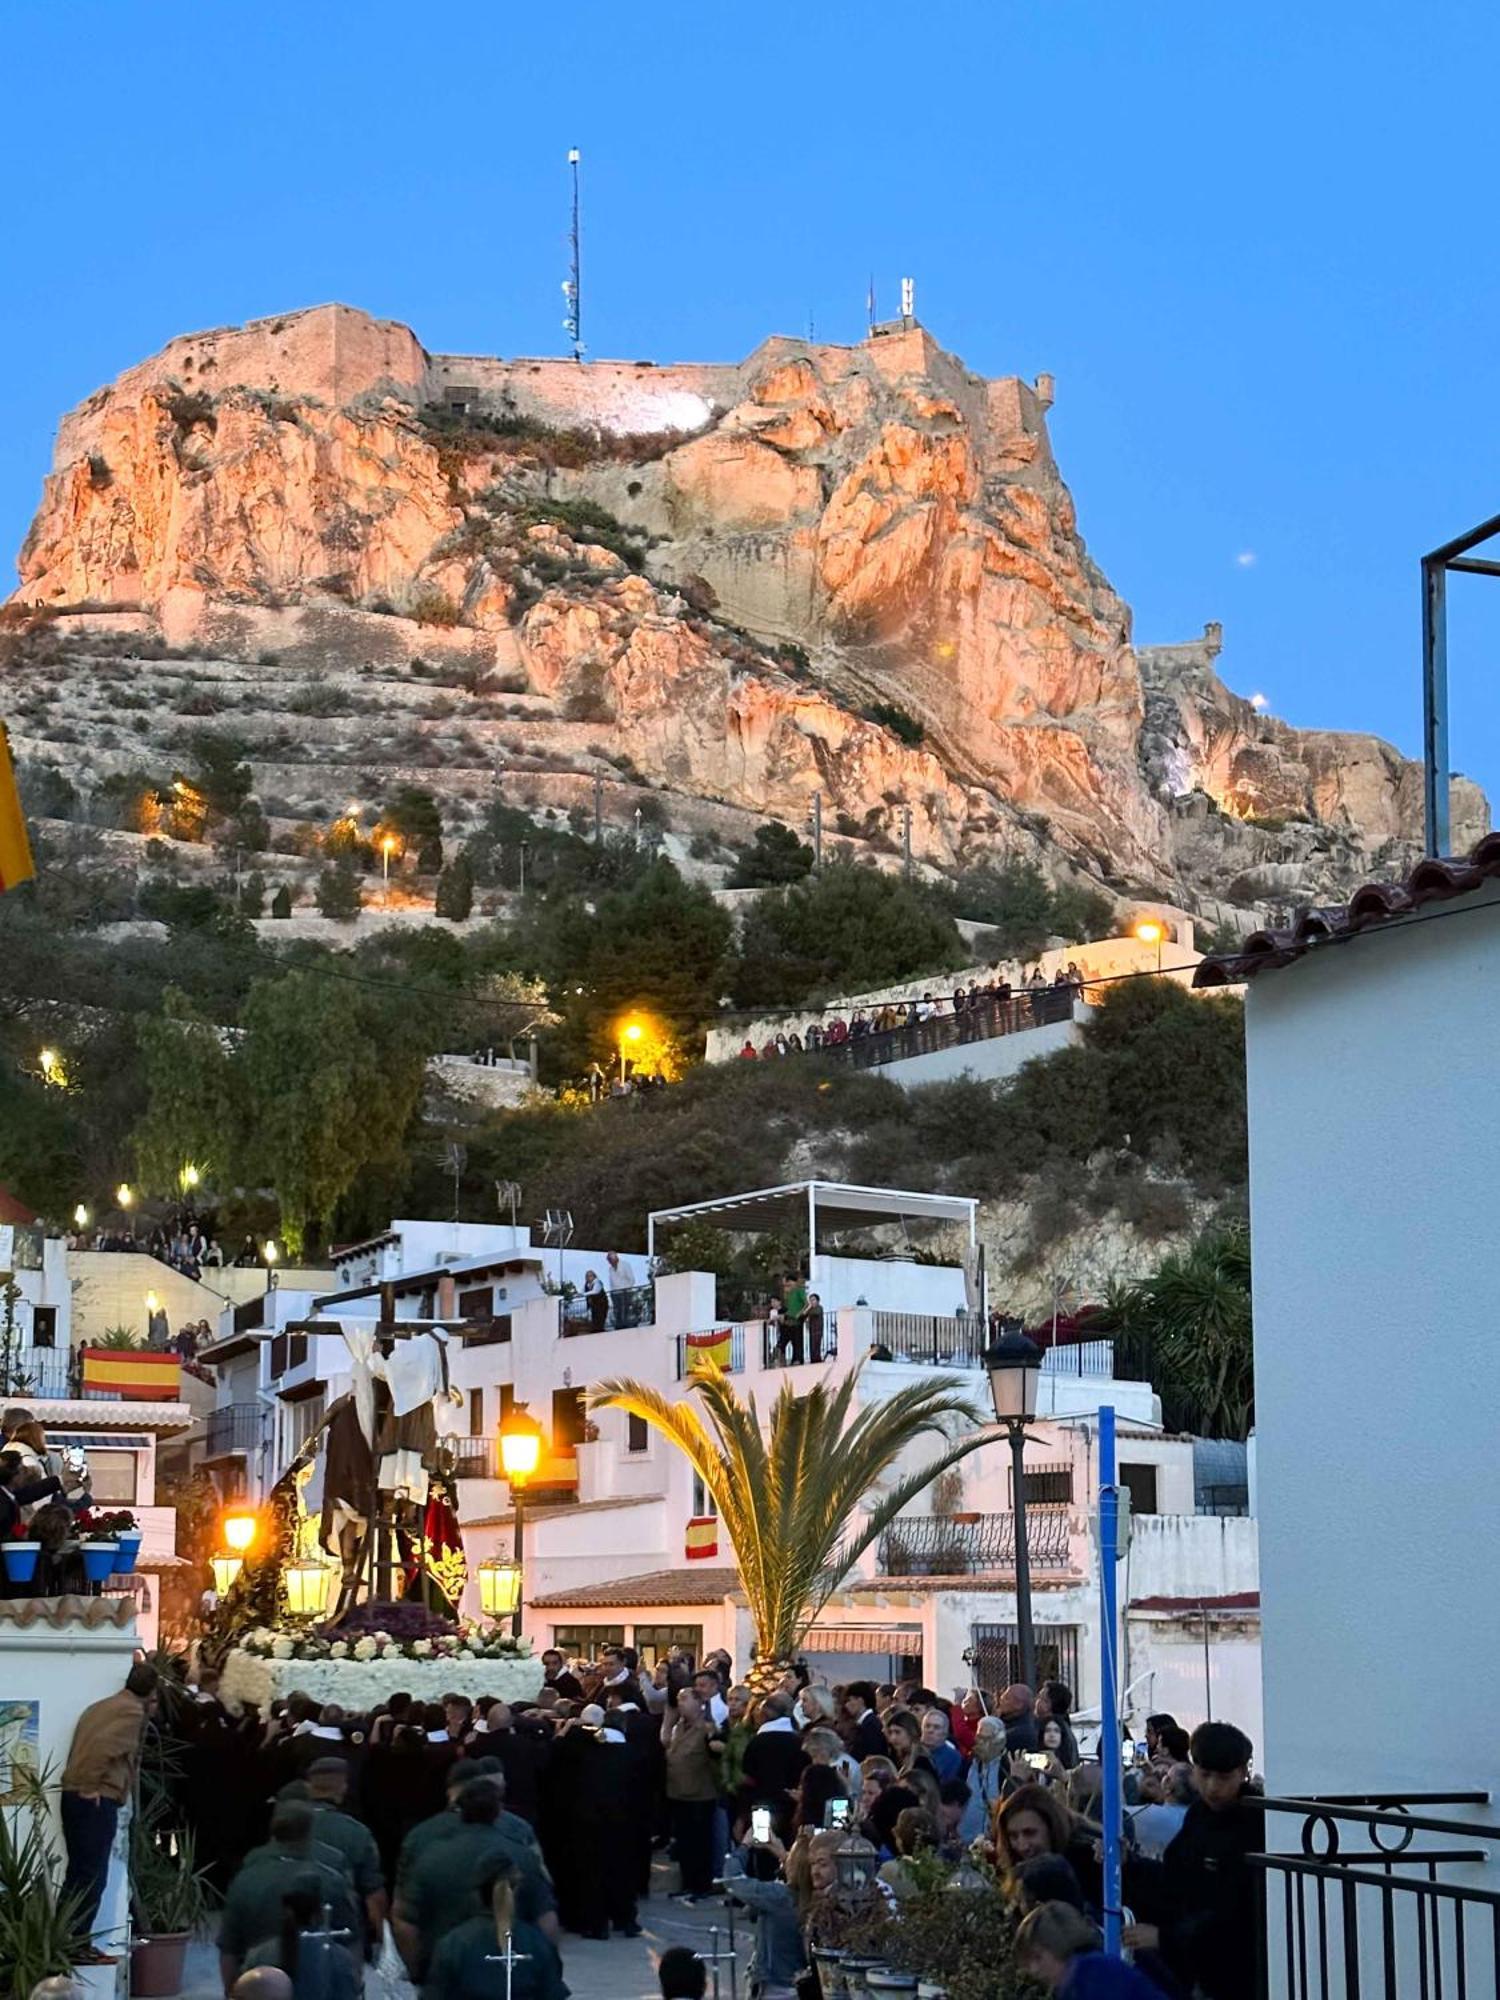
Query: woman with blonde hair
x=1064, y=1952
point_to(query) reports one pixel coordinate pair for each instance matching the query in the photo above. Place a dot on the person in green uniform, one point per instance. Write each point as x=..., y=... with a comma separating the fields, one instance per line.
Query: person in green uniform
x=319, y=1967
x=470, y=1962
x=442, y=1890
x=253, y=1908
x=438, y=1825
x=328, y=1783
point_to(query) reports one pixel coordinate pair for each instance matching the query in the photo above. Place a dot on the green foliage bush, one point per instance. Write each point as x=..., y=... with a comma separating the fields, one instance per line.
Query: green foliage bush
x=775, y=856
x=455, y=889
x=846, y=930
x=890, y=715
x=1027, y=910
x=338, y=893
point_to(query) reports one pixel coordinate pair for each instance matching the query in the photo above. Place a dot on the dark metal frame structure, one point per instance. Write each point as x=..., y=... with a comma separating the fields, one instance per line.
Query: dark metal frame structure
x=1452, y=556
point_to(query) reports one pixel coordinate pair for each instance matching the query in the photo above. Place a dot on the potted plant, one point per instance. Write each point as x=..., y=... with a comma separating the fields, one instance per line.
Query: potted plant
x=127, y=1533
x=21, y=1559
x=99, y=1551
x=171, y=1901
x=39, y=1931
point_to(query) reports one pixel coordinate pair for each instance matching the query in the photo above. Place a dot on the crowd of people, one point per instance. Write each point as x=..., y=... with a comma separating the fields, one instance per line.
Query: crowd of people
x=977, y=1012
x=483, y=1834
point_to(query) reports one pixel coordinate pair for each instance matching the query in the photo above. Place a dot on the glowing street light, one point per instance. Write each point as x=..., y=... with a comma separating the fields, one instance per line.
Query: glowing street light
x=270, y=1252
x=632, y=1034
x=239, y=1532
x=81, y=1216
x=388, y=847
x=189, y=1177
x=1149, y=931
x=51, y=1065
x=520, y=1455
x=125, y=1194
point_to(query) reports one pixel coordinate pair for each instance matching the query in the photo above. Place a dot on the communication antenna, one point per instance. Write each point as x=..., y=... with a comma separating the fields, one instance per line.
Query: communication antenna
x=870, y=303
x=572, y=285
x=908, y=301
x=508, y=1195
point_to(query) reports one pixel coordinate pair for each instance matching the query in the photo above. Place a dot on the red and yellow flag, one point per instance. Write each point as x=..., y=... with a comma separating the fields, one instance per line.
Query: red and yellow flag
x=702, y=1537
x=130, y=1375
x=711, y=1349
x=16, y=864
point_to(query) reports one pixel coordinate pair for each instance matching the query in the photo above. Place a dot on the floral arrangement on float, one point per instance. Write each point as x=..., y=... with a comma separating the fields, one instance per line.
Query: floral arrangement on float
x=470, y=1642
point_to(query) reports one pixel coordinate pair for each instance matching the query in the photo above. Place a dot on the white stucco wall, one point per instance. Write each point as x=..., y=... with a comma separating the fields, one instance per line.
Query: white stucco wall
x=1375, y=1155
x=986, y=1062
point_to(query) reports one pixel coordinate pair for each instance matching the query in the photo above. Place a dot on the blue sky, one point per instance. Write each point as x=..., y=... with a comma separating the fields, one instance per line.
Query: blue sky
x=1249, y=243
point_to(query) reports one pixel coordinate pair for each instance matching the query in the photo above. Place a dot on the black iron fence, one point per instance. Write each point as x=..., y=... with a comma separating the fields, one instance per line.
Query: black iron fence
x=1380, y=1903
x=606, y=1311
x=979, y=1023
x=52, y=1372
x=474, y=1457
x=236, y=1427
x=927, y=1338
x=808, y=1341
x=965, y=1544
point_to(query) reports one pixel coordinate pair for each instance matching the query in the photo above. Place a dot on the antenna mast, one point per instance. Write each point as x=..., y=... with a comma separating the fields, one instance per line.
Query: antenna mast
x=572, y=286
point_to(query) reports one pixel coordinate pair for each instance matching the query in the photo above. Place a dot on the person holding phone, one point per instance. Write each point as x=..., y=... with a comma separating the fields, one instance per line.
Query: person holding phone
x=692, y=1792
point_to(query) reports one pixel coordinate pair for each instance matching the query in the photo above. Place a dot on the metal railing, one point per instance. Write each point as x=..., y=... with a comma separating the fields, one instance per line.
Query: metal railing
x=980, y=1023
x=934, y=1341
x=928, y=1339
x=686, y=1354
x=956, y=1545
x=40, y=1371
x=796, y=1343
x=1387, y=1919
x=236, y=1427
x=606, y=1311
x=473, y=1457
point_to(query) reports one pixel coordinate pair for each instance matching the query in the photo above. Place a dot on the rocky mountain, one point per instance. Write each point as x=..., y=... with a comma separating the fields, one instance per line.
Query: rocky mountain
x=845, y=571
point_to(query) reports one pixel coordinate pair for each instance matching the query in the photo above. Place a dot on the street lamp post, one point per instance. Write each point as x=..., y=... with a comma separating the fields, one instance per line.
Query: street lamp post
x=1014, y=1366
x=1149, y=931
x=270, y=1252
x=520, y=1455
x=631, y=1032
x=387, y=847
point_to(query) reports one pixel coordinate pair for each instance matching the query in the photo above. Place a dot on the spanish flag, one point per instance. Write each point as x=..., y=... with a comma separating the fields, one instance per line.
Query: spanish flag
x=16, y=864
x=702, y=1538
x=711, y=1349
x=130, y=1375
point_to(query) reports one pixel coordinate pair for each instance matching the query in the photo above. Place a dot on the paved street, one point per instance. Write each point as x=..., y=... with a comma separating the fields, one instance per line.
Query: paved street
x=623, y=1969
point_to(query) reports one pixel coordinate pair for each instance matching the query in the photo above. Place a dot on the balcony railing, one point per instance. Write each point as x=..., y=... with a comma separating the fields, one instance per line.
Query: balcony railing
x=473, y=1457
x=606, y=1311
x=724, y=1344
x=959, y=1342
x=1379, y=1897
x=288, y=1351
x=809, y=1342
x=928, y=1339
x=39, y=1371
x=951, y=1545
x=951, y=1031
x=239, y=1427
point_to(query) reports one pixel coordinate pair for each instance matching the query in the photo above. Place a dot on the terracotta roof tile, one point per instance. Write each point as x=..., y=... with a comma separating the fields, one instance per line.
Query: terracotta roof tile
x=1432, y=880
x=705, y=1585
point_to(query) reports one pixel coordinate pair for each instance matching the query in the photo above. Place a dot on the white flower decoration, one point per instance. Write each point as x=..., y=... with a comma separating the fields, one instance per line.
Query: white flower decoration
x=421, y=1649
x=283, y=1649
x=365, y=1649
x=339, y=1650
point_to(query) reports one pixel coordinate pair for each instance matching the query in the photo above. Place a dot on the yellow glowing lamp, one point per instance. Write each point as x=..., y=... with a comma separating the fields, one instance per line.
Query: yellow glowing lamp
x=81, y=1216
x=226, y=1571
x=390, y=843
x=190, y=1176
x=124, y=1194
x=308, y=1583
x=1149, y=932
x=152, y=1302
x=499, y=1587
x=50, y=1063
x=239, y=1532
x=520, y=1446
x=269, y=1250
x=633, y=1031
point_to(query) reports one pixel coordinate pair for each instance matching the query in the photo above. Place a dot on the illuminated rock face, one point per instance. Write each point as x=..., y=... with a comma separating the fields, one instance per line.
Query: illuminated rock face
x=853, y=571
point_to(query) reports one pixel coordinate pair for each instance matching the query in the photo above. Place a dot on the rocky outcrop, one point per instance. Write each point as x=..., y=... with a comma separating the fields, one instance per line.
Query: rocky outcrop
x=853, y=571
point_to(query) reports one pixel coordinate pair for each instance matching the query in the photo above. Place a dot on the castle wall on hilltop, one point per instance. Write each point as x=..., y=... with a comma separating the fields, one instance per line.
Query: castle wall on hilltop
x=618, y=396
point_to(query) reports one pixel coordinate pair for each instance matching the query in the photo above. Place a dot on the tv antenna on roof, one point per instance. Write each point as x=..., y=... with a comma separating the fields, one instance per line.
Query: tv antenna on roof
x=572, y=285
x=908, y=301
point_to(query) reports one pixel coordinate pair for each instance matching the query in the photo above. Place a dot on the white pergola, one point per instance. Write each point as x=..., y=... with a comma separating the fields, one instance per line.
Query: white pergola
x=796, y=1203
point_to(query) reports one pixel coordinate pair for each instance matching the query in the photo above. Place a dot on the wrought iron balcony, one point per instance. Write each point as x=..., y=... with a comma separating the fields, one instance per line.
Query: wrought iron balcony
x=724, y=1344
x=959, y=1545
x=238, y=1427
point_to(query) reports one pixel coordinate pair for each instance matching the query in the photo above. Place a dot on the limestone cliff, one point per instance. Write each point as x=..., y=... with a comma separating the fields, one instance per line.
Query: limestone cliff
x=847, y=570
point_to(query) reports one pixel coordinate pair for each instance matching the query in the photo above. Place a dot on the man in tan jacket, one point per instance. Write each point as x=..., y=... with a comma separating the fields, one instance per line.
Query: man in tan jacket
x=97, y=1779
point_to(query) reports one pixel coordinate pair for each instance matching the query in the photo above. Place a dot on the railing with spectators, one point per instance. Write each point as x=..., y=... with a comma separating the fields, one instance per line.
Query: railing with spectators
x=933, y=1341
x=722, y=1344
x=606, y=1311
x=794, y=1343
x=982, y=1021
x=946, y=1545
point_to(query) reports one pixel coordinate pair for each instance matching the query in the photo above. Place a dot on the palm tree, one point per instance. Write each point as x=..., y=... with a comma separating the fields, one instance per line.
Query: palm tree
x=1187, y=1329
x=789, y=1500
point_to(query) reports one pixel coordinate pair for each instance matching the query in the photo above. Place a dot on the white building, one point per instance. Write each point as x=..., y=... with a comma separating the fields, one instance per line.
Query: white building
x=119, y=1407
x=1374, y=1102
x=619, y=1540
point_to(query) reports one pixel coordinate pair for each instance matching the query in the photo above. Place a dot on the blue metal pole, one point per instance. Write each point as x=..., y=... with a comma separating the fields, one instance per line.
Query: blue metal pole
x=1109, y=1628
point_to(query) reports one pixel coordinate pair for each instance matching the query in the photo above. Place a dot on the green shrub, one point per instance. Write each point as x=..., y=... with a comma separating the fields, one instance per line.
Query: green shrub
x=338, y=894
x=889, y=715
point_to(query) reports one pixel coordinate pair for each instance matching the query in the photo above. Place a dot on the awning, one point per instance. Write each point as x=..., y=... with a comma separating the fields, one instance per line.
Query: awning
x=799, y=1204
x=898, y=1639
